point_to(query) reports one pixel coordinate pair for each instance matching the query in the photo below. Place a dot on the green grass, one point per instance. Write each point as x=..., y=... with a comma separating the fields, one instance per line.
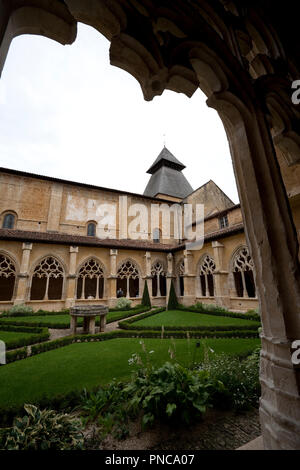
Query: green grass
x=173, y=318
x=10, y=337
x=59, y=320
x=86, y=365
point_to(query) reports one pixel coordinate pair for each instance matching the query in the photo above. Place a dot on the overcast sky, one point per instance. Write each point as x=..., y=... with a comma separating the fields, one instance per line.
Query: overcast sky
x=66, y=112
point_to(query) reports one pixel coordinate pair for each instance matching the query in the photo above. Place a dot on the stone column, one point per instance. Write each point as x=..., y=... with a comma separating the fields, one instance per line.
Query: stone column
x=272, y=239
x=71, y=278
x=92, y=325
x=112, y=279
x=189, y=278
x=222, y=296
x=73, y=325
x=148, y=276
x=102, y=322
x=23, y=276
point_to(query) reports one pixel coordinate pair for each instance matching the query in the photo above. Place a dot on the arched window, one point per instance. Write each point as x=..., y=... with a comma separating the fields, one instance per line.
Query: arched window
x=180, y=278
x=156, y=235
x=47, y=280
x=9, y=221
x=159, y=285
x=91, y=229
x=90, y=281
x=243, y=274
x=7, y=278
x=128, y=279
x=207, y=269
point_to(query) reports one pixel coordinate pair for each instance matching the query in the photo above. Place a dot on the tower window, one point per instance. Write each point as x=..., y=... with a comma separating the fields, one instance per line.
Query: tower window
x=223, y=221
x=8, y=221
x=91, y=229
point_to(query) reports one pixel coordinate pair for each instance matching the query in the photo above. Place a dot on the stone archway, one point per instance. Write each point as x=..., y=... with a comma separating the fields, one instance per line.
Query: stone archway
x=230, y=50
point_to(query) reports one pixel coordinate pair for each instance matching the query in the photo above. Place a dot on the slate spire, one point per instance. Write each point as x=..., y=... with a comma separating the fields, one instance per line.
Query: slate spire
x=167, y=177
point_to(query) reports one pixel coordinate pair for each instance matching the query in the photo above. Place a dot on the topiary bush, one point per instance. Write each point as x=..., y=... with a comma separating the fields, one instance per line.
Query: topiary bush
x=43, y=430
x=123, y=304
x=146, y=297
x=172, y=302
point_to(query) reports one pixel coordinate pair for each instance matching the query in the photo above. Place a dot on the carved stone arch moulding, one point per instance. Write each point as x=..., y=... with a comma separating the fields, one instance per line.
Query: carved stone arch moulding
x=128, y=268
x=12, y=258
x=91, y=267
x=206, y=265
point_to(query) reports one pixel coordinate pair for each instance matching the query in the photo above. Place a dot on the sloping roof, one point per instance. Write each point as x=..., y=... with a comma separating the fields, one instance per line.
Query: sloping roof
x=168, y=181
x=166, y=158
x=167, y=177
x=52, y=179
x=79, y=240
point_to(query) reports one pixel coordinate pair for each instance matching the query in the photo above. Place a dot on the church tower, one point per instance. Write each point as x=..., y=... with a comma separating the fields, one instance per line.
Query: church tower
x=167, y=180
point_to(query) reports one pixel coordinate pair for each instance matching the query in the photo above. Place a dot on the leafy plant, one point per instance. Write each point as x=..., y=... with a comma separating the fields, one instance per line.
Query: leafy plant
x=240, y=378
x=146, y=297
x=19, y=310
x=172, y=302
x=123, y=304
x=170, y=392
x=44, y=430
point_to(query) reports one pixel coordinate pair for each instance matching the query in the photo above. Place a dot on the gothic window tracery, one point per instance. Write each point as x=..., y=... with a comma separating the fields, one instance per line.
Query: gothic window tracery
x=243, y=274
x=47, y=280
x=90, y=280
x=158, y=280
x=207, y=269
x=128, y=279
x=7, y=278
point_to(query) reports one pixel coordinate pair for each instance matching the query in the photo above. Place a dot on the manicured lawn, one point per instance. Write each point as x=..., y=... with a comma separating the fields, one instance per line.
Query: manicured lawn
x=10, y=337
x=182, y=318
x=57, y=321
x=85, y=365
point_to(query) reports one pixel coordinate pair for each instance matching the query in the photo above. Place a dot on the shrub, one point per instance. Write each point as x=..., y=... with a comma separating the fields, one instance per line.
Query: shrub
x=43, y=430
x=146, y=297
x=170, y=392
x=172, y=302
x=19, y=310
x=123, y=304
x=240, y=378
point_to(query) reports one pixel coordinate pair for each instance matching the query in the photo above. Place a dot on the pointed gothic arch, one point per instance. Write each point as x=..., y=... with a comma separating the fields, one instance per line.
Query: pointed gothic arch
x=7, y=277
x=129, y=278
x=205, y=272
x=159, y=283
x=47, y=281
x=90, y=279
x=242, y=268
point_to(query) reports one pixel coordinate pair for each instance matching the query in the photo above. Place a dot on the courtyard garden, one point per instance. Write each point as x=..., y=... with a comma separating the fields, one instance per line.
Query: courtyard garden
x=134, y=372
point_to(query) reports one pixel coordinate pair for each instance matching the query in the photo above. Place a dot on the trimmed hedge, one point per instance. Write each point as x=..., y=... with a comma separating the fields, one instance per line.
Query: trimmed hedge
x=127, y=326
x=38, y=313
x=66, y=341
x=62, y=326
x=12, y=356
x=219, y=313
x=141, y=317
x=39, y=335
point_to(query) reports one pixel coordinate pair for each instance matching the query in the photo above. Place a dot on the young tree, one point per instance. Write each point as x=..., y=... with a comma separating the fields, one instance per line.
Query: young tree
x=172, y=302
x=146, y=297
